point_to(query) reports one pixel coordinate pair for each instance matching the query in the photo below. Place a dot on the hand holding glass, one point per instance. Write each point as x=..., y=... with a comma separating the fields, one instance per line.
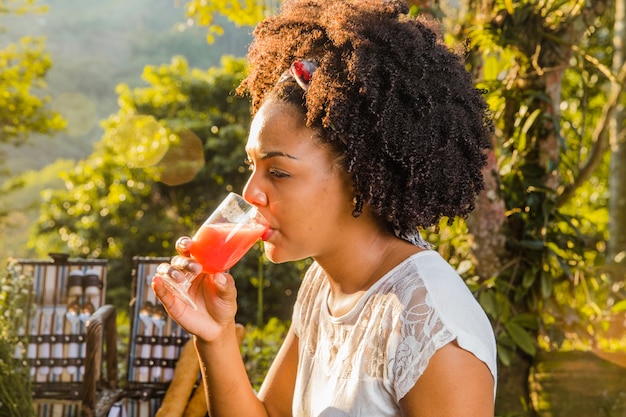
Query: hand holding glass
x=221, y=241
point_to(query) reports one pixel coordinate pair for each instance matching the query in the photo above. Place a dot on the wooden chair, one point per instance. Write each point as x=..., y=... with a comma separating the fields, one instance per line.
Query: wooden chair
x=72, y=338
x=163, y=378
x=154, y=346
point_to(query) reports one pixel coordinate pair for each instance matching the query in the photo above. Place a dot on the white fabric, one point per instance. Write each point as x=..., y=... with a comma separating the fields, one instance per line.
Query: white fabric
x=363, y=363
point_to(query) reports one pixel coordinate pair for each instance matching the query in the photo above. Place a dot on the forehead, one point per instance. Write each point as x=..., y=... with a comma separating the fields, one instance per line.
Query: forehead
x=280, y=125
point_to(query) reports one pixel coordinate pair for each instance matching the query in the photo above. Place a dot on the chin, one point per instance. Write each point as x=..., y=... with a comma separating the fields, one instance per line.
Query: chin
x=275, y=255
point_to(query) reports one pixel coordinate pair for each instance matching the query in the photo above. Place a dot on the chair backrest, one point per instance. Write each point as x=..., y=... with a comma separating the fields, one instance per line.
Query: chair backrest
x=154, y=346
x=66, y=294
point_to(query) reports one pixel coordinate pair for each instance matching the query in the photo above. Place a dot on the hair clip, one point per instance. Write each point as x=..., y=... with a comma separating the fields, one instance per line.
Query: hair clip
x=301, y=71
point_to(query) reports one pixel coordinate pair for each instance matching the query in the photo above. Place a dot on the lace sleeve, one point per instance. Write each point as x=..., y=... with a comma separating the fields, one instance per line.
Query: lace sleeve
x=419, y=333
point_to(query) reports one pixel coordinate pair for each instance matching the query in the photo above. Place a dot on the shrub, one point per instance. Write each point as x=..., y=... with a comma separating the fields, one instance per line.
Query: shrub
x=259, y=348
x=15, y=389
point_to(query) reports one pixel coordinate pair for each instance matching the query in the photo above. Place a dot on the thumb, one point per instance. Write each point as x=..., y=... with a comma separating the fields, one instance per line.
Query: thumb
x=226, y=300
x=224, y=285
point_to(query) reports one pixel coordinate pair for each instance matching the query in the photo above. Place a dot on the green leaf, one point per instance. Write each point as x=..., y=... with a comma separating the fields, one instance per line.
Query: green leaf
x=505, y=355
x=503, y=307
x=521, y=337
x=526, y=320
x=505, y=340
x=529, y=278
x=488, y=303
x=491, y=67
x=546, y=284
x=510, y=8
x=530, y=120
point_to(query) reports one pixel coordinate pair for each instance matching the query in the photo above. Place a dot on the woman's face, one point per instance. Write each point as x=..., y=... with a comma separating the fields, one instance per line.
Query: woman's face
x=297, y=184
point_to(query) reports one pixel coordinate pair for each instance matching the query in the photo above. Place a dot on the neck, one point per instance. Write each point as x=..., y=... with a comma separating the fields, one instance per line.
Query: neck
x=354, y=269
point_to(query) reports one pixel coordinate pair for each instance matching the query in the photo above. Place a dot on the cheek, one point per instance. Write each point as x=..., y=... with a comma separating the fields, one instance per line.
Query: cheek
x=326, y=215
x=337, y=199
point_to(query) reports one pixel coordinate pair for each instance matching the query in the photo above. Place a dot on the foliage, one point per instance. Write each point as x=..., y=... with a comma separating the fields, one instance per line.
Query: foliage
x=542, y=142
x=549, y=241
x=242, y=13
x=20, y=196
x=20, y=7
x=259, y=348
x=23, y=67
x=167, y=157
x=93, y=47
x=114, y=205
x=15, y=392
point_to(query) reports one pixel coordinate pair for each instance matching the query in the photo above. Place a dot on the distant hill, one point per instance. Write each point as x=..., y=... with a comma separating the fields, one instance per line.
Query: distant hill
x=94, y=46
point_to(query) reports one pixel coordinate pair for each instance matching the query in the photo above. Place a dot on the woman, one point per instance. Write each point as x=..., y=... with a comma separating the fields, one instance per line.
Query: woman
x=365, y=128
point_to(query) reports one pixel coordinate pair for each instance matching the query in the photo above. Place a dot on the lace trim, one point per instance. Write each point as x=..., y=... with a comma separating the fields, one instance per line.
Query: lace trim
x=391, y=338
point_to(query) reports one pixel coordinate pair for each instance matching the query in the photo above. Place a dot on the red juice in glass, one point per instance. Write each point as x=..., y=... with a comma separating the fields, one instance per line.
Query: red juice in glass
x=219, y=246
x=228, y=233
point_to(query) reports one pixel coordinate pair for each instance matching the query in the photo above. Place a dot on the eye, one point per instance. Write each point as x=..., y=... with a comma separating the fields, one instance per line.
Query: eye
x=274, y=172
x=277, y=173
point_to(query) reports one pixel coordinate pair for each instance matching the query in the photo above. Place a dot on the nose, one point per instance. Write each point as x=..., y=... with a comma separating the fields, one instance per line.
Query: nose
x=253, y=193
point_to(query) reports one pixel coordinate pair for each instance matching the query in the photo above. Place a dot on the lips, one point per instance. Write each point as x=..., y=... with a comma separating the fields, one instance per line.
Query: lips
x=267, y=234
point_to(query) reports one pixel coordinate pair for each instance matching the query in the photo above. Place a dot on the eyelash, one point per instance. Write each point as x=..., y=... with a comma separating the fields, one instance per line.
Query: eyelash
x=273, y=172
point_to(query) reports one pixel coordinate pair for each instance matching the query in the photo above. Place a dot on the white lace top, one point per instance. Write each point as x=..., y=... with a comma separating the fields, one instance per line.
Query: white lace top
x=363, y=363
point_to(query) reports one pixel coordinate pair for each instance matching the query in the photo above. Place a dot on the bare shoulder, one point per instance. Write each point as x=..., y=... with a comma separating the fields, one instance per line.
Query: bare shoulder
x=455, y=383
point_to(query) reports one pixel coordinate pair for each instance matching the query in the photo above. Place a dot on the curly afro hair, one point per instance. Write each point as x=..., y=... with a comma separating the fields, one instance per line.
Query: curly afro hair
x=393, y=101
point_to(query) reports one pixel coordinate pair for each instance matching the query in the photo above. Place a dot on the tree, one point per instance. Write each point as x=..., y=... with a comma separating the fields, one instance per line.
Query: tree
x=538, y=231
x=23, y=67
x=246, y=13
x=537, y=235
x=167, y=157
x=546, y=67
x=23, y=106
x=616, y=252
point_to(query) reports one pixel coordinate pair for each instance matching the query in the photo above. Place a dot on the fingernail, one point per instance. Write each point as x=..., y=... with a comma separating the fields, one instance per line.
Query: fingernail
x=183, y=243
x=220, y=279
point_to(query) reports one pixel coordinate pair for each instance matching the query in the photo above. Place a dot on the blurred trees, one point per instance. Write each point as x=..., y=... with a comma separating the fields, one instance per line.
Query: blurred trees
x=94, y=47
x=536, y=254
x=167, y=157
x=24, y=103
x=537, y=251
x=23, y=67
x=616, y=251
x=540, y=229
x=242, y=13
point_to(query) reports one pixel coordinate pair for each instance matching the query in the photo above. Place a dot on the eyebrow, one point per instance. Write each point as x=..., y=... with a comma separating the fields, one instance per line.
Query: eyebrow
x=269, y=155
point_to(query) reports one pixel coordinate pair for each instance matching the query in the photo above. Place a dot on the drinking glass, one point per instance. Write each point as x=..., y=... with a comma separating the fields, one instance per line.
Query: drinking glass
x=222, y=240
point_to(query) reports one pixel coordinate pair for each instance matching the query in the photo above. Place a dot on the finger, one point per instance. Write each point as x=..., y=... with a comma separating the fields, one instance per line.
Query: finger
x=183, y=245
x=173, y=305
x=224, y=285
x=186, y=264
x=166, y=297
x=170, y=271
x=224, y=304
